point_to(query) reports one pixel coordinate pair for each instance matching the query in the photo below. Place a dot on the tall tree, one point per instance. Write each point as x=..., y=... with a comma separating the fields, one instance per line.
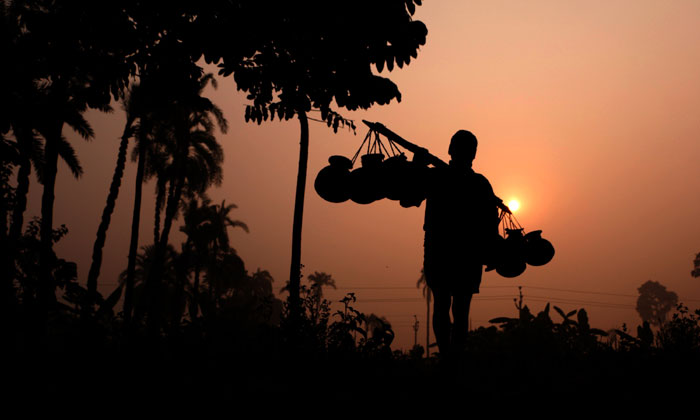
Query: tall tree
x=150, y=102
x=696, y=266
x=142, y=102
x=136, y=103
x=143, y=108
x=94, y=272
x=195, y=159
x=655, y=302
x=304, y=56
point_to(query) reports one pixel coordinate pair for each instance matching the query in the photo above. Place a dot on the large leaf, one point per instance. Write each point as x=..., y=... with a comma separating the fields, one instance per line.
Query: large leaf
x=502, y=320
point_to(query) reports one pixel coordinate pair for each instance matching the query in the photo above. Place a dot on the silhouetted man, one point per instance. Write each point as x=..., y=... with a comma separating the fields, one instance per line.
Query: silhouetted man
x=460, y=217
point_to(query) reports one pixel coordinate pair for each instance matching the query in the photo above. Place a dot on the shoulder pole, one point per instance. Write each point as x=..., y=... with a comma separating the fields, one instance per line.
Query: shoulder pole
x=381, y=129
x=429, y=158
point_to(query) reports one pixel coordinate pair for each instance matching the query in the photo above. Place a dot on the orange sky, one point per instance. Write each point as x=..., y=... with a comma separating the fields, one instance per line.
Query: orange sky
x=588, y=112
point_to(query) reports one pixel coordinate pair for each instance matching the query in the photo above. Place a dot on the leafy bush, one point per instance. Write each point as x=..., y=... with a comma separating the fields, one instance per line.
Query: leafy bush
x=342, y=334
x=682, y=333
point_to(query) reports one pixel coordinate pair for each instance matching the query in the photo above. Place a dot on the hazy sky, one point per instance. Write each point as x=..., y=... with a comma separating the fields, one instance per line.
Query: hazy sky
x=588, y=112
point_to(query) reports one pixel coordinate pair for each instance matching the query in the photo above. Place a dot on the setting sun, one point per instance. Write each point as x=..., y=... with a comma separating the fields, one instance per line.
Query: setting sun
x=514, y=205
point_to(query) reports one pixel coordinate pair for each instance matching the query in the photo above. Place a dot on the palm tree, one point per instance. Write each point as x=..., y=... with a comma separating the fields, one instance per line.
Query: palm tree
x=131, y=104
x=318, y=281
x=197, y=227
x=27, y=119
x=221, y=221
x=30, y=154
x=139, y=153
x=39, y=98
x=194, y=158
x=63, y=109
x=427, y=294
x=149, y=102
x=206, y=227
x=144, y=102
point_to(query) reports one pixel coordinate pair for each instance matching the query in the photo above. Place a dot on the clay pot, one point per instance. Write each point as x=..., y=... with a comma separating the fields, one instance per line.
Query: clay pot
x=365, y=182
x=413, y=185
x=512, y=256
x=333, y=181
x=394, y=176
x=538, y=251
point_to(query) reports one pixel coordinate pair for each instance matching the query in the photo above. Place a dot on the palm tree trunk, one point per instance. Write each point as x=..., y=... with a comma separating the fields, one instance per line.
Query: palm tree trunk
x=134, y=243
x=154, y=280
x=160, y=193
x=170, y=210
x=20, y=198
x=94, y=272
x=46, y=291
x=295, y=268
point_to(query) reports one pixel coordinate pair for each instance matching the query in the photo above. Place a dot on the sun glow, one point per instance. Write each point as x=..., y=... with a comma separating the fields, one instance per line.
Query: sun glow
x=514, y=205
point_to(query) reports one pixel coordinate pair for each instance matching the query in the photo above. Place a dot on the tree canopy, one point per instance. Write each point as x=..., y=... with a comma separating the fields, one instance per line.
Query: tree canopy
x=655, y=302
x=312, y=54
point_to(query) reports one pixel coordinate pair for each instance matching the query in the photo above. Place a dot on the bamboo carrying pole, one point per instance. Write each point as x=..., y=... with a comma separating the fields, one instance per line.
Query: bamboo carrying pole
x=381, y=129
x=429, y=157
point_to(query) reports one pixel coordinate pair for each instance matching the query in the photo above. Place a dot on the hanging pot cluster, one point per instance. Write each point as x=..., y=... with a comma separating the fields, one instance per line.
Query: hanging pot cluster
x=377, y=178
x=387, y=173
x=511, y=254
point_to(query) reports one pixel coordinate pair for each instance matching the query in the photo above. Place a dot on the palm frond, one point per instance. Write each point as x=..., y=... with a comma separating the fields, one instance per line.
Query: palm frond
x=79, y=124
x=67, y=153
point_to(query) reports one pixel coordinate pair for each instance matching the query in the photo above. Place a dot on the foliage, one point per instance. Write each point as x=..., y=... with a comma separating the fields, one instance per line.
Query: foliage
x=309, y=55
x=642, y=342
x=682, y=333
x=342, y=334
x=539, y=332
x=7, y=191
x=696, y=266
x=65, y=273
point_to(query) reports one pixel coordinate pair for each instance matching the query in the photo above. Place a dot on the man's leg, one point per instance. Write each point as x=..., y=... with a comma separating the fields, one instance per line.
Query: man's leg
x=460, y=313
x=441, y=320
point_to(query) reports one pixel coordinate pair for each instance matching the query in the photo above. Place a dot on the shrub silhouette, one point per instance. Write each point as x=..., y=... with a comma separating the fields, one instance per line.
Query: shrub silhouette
x=682, y=333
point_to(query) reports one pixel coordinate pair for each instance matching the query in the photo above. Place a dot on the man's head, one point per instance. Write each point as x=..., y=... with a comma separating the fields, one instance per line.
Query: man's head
x=463, y=146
